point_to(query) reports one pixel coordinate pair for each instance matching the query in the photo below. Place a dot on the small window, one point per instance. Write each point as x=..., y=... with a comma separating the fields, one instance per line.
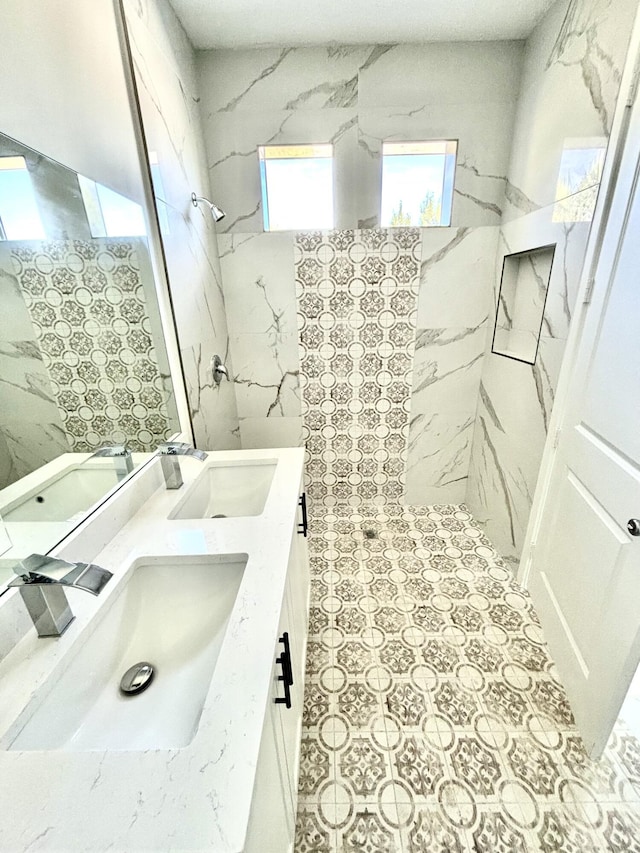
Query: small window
x=417, y=183
x=109, y=213
x=19, y=216
x=297, y=187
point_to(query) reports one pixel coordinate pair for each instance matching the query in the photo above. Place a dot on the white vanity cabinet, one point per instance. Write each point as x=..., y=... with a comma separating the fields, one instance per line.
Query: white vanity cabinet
x=275, y=796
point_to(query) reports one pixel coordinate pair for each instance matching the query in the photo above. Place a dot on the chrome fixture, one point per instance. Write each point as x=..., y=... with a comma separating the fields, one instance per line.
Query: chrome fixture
x=137, y=678
x=218, y=369
x=121, y=456
x=169, y=452
x=41, y=581
x=216, y=212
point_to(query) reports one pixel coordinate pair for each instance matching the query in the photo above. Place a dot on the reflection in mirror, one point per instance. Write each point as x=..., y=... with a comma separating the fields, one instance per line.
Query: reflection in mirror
x=579, y=178
x=523, y=294
x=5, y=541
x=83, y=364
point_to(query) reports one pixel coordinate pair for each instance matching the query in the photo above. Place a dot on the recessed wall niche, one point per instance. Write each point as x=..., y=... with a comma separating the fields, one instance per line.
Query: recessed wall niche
x=521, y=301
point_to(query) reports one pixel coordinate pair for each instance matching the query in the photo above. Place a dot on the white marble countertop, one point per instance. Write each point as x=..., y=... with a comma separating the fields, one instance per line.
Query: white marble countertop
x=26, y=537
x=193, y=798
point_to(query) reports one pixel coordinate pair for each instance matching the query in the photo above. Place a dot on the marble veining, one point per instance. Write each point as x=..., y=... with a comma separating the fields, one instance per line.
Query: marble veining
x=165, y=69
x=356, y=97
x=571, y=75
x=260, y=301
x=456, y=282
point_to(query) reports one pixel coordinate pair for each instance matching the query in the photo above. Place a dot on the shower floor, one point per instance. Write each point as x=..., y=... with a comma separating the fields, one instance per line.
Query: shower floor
x=434, y=719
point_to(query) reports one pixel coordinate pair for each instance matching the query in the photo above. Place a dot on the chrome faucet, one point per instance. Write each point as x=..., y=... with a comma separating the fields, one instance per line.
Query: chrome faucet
x=121, y=456
x=41, y=581
x=169, y=452
x=218, y=369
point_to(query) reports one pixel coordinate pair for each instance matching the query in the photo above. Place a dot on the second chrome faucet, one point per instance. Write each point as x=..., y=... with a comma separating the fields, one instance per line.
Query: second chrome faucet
x=169, y=453
x=41, y=581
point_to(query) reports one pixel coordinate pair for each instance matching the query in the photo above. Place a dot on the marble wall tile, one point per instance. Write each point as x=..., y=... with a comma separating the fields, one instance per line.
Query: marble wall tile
x=355, y=97
x=265, y=376
x=519, y=397
x=287, y=78
x=259, y=288
x=8, y=470
x=540, y=228
x=505, y=458
x=578, y=48
x=15, y=323
x=483, y=131
x=438, y=454
x=165, y=70
x=456, y=285
x=205, y=396
x=25, y=389
x=573, y=62
x=259, y=283
x=447, y=366
x=33, y=444
x=457, y=274
x=232, y=143
x=410, y=75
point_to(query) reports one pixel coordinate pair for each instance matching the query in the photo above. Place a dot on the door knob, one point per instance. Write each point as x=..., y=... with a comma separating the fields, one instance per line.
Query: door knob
x=633, y=526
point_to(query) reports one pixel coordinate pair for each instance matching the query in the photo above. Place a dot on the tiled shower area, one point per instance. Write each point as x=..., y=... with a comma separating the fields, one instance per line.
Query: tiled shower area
x=434, y=719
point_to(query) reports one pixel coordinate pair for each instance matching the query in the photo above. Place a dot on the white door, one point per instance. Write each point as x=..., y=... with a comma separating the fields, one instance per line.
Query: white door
x=585, y=579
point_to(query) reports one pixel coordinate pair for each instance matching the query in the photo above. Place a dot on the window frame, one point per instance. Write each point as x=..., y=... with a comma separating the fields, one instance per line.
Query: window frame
x=264, y=185
x=448, y=176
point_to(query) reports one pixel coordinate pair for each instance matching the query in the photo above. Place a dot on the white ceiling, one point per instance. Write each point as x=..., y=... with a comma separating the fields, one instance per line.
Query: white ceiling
x=262, y=23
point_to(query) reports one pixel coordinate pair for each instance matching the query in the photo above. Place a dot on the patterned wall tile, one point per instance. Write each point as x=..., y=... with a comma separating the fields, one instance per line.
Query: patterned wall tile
x=89, y=310
x=356, y=314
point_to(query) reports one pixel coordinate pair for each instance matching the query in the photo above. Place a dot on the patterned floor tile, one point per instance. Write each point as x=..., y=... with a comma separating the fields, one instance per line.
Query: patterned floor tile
x=434, y=719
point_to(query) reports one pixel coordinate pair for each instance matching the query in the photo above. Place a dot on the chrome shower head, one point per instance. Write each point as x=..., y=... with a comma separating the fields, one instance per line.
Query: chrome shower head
x=216, y=212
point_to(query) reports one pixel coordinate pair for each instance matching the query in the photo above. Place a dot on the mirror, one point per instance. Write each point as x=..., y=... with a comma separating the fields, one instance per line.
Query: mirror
x=83, y=364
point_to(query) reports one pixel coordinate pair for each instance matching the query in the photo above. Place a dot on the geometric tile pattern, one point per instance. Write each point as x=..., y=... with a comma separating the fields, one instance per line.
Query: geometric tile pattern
x=89, y=312
x=434, y=720
x=356, y=299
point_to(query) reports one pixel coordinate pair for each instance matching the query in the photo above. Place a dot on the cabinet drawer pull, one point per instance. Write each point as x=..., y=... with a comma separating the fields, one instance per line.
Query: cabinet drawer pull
x=303, y=527
x=287, y=672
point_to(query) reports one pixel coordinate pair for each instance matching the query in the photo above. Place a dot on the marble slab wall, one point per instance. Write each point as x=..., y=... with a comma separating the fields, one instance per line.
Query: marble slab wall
x=357, y=311
x=260, y=297
x=572, y=70
x=454, y=303
x=356, y=97
x=164, y=65
x=92, y=360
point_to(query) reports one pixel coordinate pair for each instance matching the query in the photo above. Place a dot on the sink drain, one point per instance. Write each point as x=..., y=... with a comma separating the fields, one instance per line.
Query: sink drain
x=219, y=515
x=137, y=678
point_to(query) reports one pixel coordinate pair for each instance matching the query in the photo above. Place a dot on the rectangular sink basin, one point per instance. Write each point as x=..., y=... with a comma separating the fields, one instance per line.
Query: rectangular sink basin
x=227, y=490
x=60, y=498
x=171, y=613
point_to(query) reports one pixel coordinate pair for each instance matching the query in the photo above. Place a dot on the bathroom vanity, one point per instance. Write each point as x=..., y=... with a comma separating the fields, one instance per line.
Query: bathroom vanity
x=206, y=758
